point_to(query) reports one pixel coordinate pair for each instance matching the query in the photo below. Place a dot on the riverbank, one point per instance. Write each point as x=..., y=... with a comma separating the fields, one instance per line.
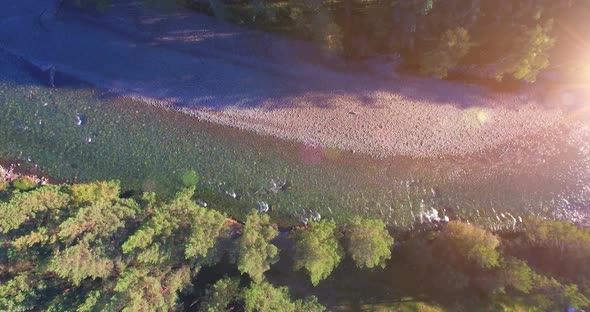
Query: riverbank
x=450, y=264
x=228, y=75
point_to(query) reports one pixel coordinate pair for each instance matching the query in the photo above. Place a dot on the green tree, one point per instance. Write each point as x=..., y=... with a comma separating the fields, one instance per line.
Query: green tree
x=451, y=48
x=25, y=207
x=529, y=55
x=469, y=244
x=19, y=293
x=180, y=220
x=221, y=295
x=518, y=275
x=256, y=252
x=94, y=251
x=96, y=191
x=318, y=251
x=24, y=184
x=405, y=307
x=368, y=242
x=150, y=289
x=263, y=297
x=564, y=247
x=3, y=186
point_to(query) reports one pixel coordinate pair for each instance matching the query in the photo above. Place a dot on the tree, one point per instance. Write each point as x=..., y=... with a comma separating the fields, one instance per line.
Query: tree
x=96, y=251
x=219, y=296
x=79, y=262
x=451, y=48
x=24, y=207
x=263, y=297
x=325, y=30
x=19, y=293
x=464, y=243
x=411, y=307
x=256, y=252
x=564, y=248
x=24, y=184
x=529, y=55
x=100, y=5
x=368, y=242
x=95, y=191
x=318, y=251
x=149, y=289
x=180, y=220
x=518, y=275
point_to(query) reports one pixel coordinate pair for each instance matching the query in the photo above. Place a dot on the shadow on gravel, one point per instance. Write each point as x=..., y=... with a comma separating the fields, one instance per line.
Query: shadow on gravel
x=300, y=68
x=188, y=59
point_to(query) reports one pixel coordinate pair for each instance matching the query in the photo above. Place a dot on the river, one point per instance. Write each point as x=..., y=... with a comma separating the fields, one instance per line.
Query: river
x=77, y=133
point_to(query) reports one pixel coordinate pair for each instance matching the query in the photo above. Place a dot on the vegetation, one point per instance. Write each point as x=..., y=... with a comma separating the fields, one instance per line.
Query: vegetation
x=84, y=247
x=256, y=252
x=529, y=55
x=263, y=297
x=224, y=293
x=318, y=251
x=406, y=307
x=434, y=36
x=462, y=241
x=451, y=48
x=464, y=260
x=23, y=184
x=368, y=242
x=3, y=186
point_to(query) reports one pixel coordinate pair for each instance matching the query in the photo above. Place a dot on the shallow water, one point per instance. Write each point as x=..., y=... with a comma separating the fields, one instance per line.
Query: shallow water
x=77, y=133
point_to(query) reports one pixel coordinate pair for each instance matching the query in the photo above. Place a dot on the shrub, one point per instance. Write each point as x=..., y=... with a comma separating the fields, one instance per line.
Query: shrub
x=3, y=186
x=24, y=184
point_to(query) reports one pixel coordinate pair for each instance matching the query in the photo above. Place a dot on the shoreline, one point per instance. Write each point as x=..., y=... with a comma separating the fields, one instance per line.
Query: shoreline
x=370, y=135
x=317, y=106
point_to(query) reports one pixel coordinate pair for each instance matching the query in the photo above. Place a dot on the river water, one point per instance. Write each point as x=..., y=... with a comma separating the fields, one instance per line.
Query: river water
x=77, y=133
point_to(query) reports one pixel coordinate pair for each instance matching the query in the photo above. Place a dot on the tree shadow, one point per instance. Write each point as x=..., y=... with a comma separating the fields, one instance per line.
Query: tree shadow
x=182, y=58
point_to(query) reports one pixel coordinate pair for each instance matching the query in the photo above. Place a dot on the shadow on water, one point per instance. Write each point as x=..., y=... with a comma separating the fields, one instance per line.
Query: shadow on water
x=60, y=79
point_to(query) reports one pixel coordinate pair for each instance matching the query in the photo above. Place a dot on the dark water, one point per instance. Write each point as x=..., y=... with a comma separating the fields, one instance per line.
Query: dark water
x=77, y=133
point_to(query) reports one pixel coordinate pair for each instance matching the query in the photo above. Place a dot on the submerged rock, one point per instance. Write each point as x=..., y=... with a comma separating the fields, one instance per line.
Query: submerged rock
x=79, y=120
x=263, y=207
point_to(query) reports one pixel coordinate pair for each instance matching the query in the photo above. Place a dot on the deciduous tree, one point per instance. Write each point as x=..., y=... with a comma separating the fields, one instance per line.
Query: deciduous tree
x=256, y=251
x=318, y=250
x=368, y=242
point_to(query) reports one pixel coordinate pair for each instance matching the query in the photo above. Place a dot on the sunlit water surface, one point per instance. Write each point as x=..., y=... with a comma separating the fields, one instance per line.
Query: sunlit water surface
x=77, y=133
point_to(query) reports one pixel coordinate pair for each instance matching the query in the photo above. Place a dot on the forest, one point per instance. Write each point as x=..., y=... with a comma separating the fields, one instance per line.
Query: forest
x=87, y=247
x=464, y=39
